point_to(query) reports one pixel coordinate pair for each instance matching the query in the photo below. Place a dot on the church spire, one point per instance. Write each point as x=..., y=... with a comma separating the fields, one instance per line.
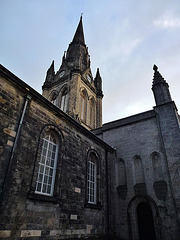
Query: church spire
x=160, y=88
x=77, y=57
x=79, y=34
x=76, y=92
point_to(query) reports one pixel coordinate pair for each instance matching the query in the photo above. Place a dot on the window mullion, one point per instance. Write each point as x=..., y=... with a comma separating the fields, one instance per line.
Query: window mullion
x=45, y=164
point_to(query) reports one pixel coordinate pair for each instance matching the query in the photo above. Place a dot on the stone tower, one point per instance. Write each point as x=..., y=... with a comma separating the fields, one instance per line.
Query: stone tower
x=72, y=88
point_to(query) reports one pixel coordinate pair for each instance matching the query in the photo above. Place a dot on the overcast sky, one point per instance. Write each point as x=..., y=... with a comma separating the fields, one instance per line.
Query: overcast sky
x=124, y=37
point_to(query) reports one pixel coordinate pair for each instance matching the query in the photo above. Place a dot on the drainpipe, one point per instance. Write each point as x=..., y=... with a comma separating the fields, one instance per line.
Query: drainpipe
x=107, y=197
x=26, y=100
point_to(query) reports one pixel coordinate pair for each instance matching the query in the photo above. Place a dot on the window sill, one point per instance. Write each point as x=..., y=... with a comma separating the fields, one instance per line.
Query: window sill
x=40, y=197
x=94, y=206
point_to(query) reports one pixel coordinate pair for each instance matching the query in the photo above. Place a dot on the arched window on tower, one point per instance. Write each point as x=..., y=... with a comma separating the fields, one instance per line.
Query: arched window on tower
x=64, y=100
x=83, y=104
x=47, y=165
x=92, y=112
x=53, y=98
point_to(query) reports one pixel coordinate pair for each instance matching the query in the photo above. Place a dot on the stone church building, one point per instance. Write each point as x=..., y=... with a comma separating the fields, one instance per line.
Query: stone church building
x=60, y=177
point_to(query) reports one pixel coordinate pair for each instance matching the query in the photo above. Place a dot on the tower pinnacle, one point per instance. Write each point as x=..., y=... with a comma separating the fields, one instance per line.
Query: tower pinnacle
x=157, y=76
x=79, y=34
x=160, y=88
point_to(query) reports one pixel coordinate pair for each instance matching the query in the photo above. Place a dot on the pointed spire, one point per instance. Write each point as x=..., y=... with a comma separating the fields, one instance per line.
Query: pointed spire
x=79, y=34
x=98, y=83
x=97, y=78
x=50, y=73
x=52, y=66
x=157, y=76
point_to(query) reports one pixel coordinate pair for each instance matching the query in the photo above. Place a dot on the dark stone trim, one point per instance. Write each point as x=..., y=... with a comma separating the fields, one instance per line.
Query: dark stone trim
x=44, y=198
x=125, y=121
x=164, y=104
x=98, y=205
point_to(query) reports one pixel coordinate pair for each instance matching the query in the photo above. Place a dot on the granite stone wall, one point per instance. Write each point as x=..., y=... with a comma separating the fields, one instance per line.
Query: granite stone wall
x=146, y=149
x=67, y=214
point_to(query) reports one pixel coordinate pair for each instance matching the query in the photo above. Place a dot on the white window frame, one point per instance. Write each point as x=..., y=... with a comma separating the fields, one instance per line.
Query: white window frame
x=46, y=172
x=92, y=180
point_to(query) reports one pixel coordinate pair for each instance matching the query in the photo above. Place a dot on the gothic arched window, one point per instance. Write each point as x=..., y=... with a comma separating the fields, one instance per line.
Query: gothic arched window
x=92, y=179
x=53, y=98
x=47, y=165
x=83, y=104
x=92, y=112
x=64, y=100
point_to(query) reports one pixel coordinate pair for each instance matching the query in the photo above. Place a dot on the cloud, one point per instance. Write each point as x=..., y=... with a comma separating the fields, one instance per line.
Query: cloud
x=167, y=23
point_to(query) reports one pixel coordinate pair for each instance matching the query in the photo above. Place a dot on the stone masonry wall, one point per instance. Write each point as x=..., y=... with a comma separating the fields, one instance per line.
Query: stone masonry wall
x=65, y=215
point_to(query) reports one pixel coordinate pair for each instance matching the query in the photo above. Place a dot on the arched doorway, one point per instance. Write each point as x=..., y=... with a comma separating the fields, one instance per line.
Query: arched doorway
x=143, y=219
x=145, y=222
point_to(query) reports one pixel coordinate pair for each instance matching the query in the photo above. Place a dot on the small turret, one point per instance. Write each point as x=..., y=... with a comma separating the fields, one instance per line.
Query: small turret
x=50, y=73
x=98, y=83
x=160, y=88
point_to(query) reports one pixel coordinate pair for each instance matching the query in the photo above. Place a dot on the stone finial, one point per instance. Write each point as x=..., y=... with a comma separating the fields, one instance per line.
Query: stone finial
x=155, y=68
x=157, y=76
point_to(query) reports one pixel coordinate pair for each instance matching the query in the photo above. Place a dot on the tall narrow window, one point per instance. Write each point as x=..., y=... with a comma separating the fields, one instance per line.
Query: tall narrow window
x=83, y=105
x=47, y=165
x=91, y=112
x=92, y=176
x=64, y=100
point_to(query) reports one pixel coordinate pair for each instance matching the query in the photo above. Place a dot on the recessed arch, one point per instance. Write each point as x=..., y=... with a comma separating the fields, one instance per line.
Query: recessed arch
x=83, y=104
x=157, y=166
x=121, y=172
x=53, y=97
x=148, y=204
x=138, y=170
x=92, y=107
